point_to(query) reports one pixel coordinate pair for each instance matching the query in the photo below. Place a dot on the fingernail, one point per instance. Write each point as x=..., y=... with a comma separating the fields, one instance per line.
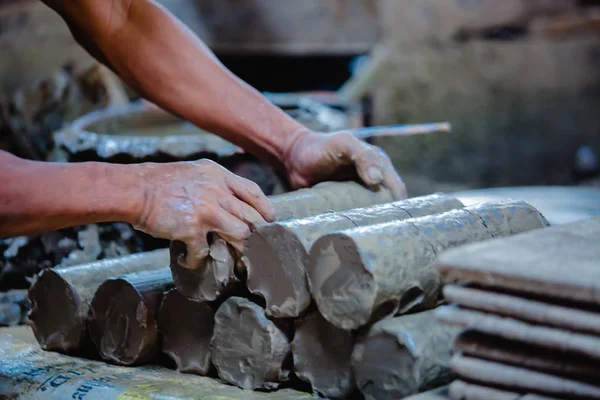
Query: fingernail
x=375, y=175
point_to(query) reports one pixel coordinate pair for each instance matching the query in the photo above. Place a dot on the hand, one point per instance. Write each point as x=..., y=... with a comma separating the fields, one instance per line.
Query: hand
x=186, y=201
x=314, y=157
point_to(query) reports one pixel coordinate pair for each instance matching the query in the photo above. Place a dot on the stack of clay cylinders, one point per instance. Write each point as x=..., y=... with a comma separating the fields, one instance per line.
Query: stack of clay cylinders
x=61, y=298
x=250, y=343
x=223, y=272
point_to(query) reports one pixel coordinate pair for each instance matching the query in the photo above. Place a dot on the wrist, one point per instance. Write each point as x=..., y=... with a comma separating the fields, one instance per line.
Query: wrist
x=127, y=190
x=291, y=141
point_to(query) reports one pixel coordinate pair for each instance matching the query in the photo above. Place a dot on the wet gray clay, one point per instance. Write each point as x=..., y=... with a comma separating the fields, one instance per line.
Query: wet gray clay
x=276, y=254
x=122, y=317
x=186, y=327
x=322, y=356
x=247, y=348
x=359, y=275
x=402, y=356
x=61, y=297
x=219, y=276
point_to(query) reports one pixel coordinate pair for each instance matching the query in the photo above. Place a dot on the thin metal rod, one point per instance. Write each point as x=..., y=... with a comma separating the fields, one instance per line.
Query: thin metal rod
x=401, y=130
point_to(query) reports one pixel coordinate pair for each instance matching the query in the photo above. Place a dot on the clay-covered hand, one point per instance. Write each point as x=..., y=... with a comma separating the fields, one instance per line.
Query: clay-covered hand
x=186, y=201
x=313, y=157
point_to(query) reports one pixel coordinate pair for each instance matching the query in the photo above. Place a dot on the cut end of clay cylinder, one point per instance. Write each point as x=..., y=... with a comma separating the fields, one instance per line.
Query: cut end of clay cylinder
x=384, y=368
x=211, y=280
x=121, y=325
x=248, y=349
x=58, y=321
x=322, y=356
x=340, y=282
x=280, y=281
x=186, y=327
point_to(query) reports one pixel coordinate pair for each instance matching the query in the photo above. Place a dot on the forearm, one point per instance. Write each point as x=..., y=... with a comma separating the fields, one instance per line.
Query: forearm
x=171, y=67
x=38, y=197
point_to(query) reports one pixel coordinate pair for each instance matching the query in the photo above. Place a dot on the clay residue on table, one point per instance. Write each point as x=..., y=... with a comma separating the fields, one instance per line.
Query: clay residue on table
x=322, y=356
x=401, y=356
x=248, y=349
x=122, y=318
x=186, y=328
x=61, y=297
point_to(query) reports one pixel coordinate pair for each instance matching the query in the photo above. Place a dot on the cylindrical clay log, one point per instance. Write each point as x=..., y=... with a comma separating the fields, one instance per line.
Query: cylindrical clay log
x=248, y=349
x=401, y=356
x=61, y=297
x=186, y=327
x=322, y=356
x=275, y=254
x=218, y=275
x=363, y=274
x=122, y=317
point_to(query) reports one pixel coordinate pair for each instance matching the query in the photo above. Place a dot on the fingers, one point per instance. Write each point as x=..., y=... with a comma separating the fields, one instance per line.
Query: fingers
x=372, y=165
x=242, y=211
x=197, y=251
x=391, y=179
x=250, y=193
x=230, y=228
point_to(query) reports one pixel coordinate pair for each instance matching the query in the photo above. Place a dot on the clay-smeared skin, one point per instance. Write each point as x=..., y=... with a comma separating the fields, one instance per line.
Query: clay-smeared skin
x=363, y=274
x=186, y=328
x=122, y=318
x=217, y=276
x=61, y=297
x=403, y=355
x=276, y=254
x=322, y=356
x=247, y=349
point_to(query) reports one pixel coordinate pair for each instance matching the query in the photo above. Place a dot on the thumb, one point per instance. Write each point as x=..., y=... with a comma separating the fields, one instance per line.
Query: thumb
x=197, y=252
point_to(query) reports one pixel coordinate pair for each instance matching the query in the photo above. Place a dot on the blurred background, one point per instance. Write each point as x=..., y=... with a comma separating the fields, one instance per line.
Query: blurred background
x=519, y=80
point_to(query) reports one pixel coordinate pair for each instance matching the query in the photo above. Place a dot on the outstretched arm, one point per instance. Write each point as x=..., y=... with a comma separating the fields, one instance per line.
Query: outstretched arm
x=157, y=55
x=180, y=201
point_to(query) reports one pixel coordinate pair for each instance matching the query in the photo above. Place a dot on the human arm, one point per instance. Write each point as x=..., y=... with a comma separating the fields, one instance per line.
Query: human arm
x=166, y=63
x=179, y=201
